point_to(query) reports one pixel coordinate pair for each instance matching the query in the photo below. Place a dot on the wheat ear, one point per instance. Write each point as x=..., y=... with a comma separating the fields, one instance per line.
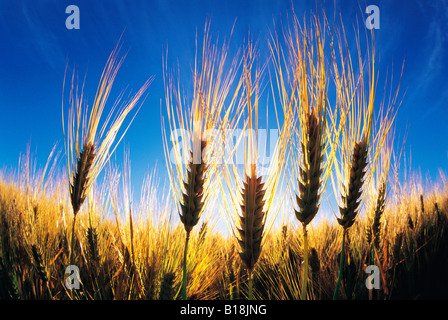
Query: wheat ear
x=40, y=267
x=193, y=197
x=310, y=173
x=251, y=221
x=352, y=197
x=92, y=241
x=167, y=290
x=81, y=177
x=379, y=210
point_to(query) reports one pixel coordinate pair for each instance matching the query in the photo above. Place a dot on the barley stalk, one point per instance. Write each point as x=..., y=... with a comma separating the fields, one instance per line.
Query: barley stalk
x=307, y=97
x=373, y=230
x=88, y=147
x=79, y=187
x=192, y=205
x=251, y=198
x=356, y=115
x=253, y=215
x=351, y=199
x=309, y=184
x=192, y=183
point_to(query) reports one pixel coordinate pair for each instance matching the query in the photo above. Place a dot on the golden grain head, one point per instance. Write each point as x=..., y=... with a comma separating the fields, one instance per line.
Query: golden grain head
x=39, y=263
x=352, y=197
x=379, y=210
x=92, y=245
x=167, y=288
x=252, y=220
x=81, y=177
x=192, y=203
x=310, y=172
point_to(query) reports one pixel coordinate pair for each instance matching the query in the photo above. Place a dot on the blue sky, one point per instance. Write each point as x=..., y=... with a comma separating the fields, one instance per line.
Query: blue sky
x=36, y=45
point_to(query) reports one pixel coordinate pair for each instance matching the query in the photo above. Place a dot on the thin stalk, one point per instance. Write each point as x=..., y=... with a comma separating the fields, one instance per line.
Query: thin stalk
x=49, y=290
x=341, y=265
x=72, y=245
x=72, y=249
x=305, y=265
x=184, y=278
x=372, y=261
x=251, y=281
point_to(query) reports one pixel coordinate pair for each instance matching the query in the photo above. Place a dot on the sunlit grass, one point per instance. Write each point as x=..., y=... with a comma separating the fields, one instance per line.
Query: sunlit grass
x=412, y=259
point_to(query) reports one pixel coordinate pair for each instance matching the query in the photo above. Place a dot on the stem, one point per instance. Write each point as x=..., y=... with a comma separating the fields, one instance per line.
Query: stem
x=184, y=279
x=49, y=291
x=72, y=244
x=251, y=280
x=72, y=249
x=372, y=261
x=305, y=265
x=341, y=265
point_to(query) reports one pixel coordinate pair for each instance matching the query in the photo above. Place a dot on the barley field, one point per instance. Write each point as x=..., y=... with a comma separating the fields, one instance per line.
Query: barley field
x=333, y=213
x=119, y=258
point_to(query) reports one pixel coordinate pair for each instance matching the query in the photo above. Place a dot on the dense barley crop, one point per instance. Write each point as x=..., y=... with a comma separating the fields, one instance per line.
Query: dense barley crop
x=412, y=252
